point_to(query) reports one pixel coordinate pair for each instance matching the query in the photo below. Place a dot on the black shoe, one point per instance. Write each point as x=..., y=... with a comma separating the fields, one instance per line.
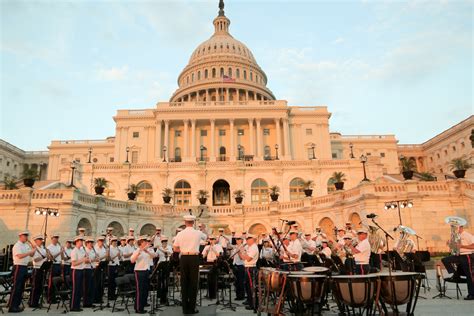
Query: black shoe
x=141, y=312
x=469, y=298
x=76, y=310
x=89, y=306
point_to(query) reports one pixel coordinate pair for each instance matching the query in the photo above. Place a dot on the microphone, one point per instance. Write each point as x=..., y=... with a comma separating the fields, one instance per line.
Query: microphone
x=371, y=215
x=289, y=223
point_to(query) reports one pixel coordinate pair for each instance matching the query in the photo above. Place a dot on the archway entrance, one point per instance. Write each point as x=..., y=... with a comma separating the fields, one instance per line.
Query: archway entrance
x=84, y=223
x=221, y=193
x=117, y=229
x=327, y=226
x=257, y=229
x=148, y=229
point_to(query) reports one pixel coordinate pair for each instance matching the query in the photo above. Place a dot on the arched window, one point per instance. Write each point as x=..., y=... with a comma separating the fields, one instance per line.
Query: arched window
x=221, y=74
x=267, y=154
x=296, y=189
x=182, y=193
x=187, y=79
x=177, y=154
x=245, y=74
x=192, y=77
x=117, y=228
x=230, y=72
x=237, y=73
x=199, y=75
x=148, y=229
x=145, y=192
x=213, y=72
x=206, y=74
x=222, y=153
x=251, y=76
x=259, y=191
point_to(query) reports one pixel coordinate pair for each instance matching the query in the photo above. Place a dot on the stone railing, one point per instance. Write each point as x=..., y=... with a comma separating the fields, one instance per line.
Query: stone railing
x=100, y=203
x=223, y=103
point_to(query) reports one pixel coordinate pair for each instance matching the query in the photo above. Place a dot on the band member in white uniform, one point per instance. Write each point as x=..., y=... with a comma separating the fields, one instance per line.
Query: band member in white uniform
x=141, y=258
x=82, y=231
x=361, y=252
x=164, y=251
x=89, y=288
x=156, y=238
x=238, y=268
x=100, y=270
x=211, y=253
x=22, y=252
x=78, y=260
x=54, y=250
x=250, y=257
x=66, y=258
x=267, y=254
x=114, y=262
x=37, y=278
x=294, y=248
x=222, y=239
x=187, y=243
x=325, y=248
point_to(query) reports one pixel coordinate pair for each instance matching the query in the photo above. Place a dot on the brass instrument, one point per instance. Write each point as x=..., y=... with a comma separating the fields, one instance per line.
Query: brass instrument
x=375, y=240
x=455, y=237
x=404, y=244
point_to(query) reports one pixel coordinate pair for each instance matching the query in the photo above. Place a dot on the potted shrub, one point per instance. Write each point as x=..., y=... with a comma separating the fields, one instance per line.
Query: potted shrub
x=10, y=183
x=274, y=192
x=167, y=193
x=132, y=192
x=99, y=185
x=29, y=177
x=307, y=186
x=408, y=167
x=338, y=179
x=459, y=166
x=426, y=176
x=239, y=196
x=202, y=196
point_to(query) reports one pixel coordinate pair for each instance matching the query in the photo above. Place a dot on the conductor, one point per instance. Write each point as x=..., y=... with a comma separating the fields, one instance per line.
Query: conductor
x=187, y=244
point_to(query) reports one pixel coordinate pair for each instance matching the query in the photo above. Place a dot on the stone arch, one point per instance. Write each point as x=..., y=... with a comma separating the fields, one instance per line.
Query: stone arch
x=84, y=223
x=355, y=220
x=327, y=226
x=148, y=229
x=221, y=192
x=257, y=229
x=118, y=229
x=145, y=192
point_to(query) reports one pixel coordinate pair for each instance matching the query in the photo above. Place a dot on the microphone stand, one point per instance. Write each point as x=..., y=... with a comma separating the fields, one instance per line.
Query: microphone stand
x=391, y=281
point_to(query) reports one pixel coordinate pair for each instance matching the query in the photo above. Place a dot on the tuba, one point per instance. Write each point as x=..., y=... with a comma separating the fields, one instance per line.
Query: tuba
x=455, y=237
x=404, y=244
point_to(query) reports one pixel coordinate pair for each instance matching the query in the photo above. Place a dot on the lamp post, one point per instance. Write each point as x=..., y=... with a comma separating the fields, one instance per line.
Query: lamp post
x=239, y=150
x=363, y=160
x=90, y=155
x=276, y=150
x=73, y=167
x=127, y=149
x=46, y=211
x=312, y=148
x=351, y=146
x=201, y=158
x=40, y=171
x=164, y=153
x=398, y=205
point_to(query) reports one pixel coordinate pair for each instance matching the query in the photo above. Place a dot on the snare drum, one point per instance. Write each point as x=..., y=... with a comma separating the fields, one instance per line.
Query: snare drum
x=355, y=291
x=399, y=289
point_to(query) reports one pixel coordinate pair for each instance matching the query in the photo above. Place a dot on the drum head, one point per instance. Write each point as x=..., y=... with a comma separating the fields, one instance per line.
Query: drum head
x=301, y=272
x=306, y=276
x=316, y=269
x=354, y=277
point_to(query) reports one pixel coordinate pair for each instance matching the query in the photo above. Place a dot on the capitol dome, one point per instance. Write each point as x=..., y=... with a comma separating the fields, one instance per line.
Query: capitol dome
x=222, y=69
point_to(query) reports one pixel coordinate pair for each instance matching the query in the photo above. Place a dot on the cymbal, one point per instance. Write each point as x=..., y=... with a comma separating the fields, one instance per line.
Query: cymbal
x=455, y=220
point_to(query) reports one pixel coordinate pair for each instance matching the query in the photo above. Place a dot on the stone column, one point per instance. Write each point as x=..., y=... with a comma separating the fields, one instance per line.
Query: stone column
x=118, y=140
x=186, y=141
x=259, y=140
x=286, y=138
x=246, y=95
x=213, y=140
x=167, y=140
x=278, y=133
x=232, y=145
x=217, y=95
x=252, y=146
x=207, y=95
x=158, y=140
x=193, y=140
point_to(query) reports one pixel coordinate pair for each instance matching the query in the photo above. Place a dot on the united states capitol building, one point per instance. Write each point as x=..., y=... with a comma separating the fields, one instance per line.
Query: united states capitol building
x=224, y=130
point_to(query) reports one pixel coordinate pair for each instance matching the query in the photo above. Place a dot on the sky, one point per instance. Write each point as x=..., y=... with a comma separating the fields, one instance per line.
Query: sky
x=381, y=67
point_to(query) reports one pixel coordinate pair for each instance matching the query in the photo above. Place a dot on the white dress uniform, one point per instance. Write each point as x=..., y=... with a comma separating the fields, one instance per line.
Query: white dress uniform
x=221, y=240
x=210, y=252
x=308, y=246
x=466, y=239
x=363, y=256
x=252, y=251
x=267, y=253
x=295, y=249
x=54, y=250
x=188, y=240
x=114, y=255
x=78, y=254
x=327, y=252
x=101, y=252
x=40, y=253
x=21, y=248
x=161, y=253
x=67, y=256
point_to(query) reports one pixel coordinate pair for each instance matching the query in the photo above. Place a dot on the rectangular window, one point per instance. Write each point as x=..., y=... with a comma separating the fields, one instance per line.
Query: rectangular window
x=382, y=155
x=203, y=132
x=334, y=155
x=136, y=134
x=111, y=159
x=240, y=132
x=134, y=156
x=309, y=131
x=266, y=131
x=369, y=154
x=222, y=132
x=177, y=133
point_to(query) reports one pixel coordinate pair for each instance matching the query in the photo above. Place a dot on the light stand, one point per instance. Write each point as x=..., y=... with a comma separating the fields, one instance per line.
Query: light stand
x=127, y=150
x=363, y=160
x=73, y=167
x=276, y=152
x=351, y=146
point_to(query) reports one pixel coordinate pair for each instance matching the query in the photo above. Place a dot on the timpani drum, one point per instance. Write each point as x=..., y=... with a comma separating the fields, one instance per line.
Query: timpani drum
x=308, y=291
x=355, y=292
x=271, y=287
x=399, y=289
x=316, y=270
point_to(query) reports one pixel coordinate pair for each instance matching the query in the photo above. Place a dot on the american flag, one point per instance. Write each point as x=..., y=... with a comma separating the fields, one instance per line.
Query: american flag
x=227, y=79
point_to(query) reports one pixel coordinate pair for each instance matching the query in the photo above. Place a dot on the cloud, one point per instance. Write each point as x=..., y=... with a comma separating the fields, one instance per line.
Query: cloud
x=338, y=40
x=113, y=74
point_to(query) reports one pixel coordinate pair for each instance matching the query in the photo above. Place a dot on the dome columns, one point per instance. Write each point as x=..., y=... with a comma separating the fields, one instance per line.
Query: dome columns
x=223, y=94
